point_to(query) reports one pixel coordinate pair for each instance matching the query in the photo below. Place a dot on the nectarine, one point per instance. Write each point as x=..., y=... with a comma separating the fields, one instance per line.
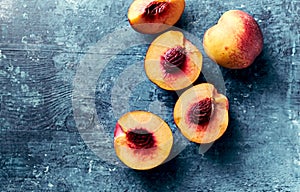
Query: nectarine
x=142, y=140
x=172, y=62
x=154, y=16
x=201, y=113
x=235, y=41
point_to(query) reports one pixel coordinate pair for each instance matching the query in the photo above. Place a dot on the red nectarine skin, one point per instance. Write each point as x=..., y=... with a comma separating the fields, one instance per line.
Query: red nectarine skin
x=252, y=35
x=235, y=41
x=118, y=130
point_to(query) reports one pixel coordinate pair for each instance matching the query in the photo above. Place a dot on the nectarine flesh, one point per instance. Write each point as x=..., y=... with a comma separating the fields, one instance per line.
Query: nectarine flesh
x=201, y=113
x=142, y=140
x=172, y=62
x=154, y=16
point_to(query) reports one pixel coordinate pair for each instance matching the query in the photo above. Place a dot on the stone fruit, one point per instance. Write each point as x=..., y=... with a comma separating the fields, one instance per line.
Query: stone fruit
x=154, y=16
x=172, y=62
x=201, y=113
x=235, y=41
x=142, y=140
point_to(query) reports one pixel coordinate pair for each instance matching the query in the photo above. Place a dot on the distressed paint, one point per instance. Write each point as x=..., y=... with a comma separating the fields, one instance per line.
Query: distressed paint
x=42, y=43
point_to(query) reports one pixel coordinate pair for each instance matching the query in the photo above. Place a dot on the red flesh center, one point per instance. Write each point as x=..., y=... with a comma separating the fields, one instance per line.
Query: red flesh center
x=173, y=59
x=155, y=8
x=140, y=139
x=200, y=112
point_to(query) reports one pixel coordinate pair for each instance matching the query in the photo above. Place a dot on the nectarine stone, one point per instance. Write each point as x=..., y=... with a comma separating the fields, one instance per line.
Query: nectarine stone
x=173, y=59
x=142, y=140
x=201, y=113
x=235, y=41
x=172, y=62
x=154, y=16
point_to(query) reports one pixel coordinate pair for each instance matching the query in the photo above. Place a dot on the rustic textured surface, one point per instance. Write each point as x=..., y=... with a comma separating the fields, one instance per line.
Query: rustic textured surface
x=42, y=44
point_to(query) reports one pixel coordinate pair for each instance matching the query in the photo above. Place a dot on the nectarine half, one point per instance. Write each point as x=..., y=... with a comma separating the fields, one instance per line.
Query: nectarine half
x=201, y=113
x=142, y=140
x=172, y=62
x=154, y=16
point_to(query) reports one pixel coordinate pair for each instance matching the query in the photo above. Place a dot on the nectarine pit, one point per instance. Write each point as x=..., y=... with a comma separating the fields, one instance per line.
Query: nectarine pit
x=155, y=8
x=173, y=59
x=201, y=111
x=140, y=139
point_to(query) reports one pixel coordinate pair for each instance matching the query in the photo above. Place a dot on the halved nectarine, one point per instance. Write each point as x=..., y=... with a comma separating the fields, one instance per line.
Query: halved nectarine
x=201, y=113
x=142, y=140
x=172, y=62
x=154, y=16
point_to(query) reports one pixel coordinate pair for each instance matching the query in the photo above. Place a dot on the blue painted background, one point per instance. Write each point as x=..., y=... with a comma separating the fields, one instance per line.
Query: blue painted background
x=41, y=46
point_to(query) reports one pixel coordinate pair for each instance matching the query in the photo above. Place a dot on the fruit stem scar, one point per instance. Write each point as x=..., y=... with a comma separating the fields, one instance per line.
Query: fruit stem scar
x=155, y=8
x=140, y=139
x=201, y=111
x=173, y=59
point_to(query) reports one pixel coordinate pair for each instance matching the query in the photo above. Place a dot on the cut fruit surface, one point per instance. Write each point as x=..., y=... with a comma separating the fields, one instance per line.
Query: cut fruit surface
x=201, y=113
x=154, y=16
x=172, y=62
x=142, y=140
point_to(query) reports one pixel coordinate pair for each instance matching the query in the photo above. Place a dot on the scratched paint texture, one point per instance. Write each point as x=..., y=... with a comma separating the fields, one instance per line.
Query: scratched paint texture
x=41, y=46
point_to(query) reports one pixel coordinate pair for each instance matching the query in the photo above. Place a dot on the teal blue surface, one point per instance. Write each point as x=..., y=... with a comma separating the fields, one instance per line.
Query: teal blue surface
x=43, y=43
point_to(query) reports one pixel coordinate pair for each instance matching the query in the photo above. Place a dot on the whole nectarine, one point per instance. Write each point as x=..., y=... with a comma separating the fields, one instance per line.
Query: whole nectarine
x=235, y=41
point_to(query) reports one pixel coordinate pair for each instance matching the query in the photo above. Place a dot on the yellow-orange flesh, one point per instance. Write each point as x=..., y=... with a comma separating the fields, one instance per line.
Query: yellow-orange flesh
x=187, y=73
x=142, y=140
x=235, y=41
x=154, y=16
x=204, y=132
